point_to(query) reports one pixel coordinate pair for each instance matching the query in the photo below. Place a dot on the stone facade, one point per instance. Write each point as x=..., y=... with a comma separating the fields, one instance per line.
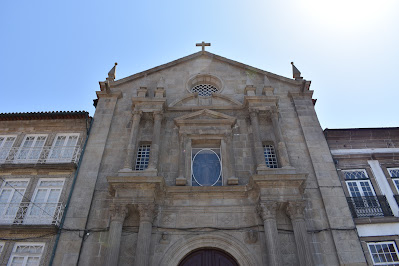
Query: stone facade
x=367, y=163
x=39, y=154
x=294, y=214
x=277, y=199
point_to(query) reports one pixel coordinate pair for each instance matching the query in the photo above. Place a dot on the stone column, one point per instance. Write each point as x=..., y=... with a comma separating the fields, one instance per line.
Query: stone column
x=260, y=157
x=267, y=211
x=153, y=163
x=118, y=214
x=146, y=212
x=295, y=211
x=282, y=148
x=133, y=140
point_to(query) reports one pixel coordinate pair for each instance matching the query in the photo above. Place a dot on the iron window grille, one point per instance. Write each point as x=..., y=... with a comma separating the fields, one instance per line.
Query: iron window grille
x=204, y=89
x=270, y=156
x=383, y=253
x=369, y=206
x=143, y=157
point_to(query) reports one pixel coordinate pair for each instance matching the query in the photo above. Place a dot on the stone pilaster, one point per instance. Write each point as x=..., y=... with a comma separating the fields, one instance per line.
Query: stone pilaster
x=153, y=163
x=147, y=214
x=181, y=180
x=118, y=214
x=133, y=140
x=227, y=148
x=281, y=147
x=295, y=210
x=267, y=211
x=260, y=158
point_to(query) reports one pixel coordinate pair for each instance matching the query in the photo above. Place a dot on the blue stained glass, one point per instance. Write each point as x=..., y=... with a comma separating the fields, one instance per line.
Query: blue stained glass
x=206, y=168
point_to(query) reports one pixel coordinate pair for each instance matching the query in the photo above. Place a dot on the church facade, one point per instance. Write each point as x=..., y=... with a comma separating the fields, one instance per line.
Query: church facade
x=204, y=159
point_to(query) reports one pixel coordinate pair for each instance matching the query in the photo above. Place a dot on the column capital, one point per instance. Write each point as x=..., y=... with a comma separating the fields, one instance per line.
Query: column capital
x=295, y=210
x=157, y=114
x=253, y=111
x=267, y=210
x=137, y=113
x=118, y=212
x=147, y=212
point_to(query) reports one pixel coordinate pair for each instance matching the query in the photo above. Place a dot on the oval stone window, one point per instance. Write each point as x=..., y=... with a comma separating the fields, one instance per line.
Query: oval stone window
x=205, y=85
x=206, y=167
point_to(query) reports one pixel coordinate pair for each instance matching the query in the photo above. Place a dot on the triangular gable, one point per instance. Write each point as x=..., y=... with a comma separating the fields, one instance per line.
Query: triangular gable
x=197, y=55
x=205, y=116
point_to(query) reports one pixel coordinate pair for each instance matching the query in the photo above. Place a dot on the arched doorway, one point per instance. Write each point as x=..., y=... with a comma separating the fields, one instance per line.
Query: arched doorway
x=208, y=257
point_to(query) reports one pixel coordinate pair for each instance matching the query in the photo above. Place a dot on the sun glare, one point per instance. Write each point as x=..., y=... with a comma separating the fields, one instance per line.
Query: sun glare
x=346, y=14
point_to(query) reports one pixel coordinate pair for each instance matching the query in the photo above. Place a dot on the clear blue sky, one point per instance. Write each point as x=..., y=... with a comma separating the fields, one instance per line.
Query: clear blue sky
x=53, y=53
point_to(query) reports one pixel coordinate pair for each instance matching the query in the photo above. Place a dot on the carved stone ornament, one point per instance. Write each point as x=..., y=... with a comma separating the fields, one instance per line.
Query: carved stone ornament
x=253, y=112
x=251, y=237
x=267, y=210
x=158, y=114
x=118, y=212
x=295, y=210
x=137, y=114
x=147, y=212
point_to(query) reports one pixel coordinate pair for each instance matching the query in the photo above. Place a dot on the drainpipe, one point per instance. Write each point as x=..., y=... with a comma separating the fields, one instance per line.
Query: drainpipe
x=70, y=192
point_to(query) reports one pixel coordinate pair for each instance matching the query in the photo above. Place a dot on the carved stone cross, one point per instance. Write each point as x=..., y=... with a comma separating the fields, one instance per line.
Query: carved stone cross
x=203, y=44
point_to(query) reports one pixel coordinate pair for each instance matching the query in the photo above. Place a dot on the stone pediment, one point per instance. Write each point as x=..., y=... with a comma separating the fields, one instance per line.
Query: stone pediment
x=198, y=55
x=205, y=117
x=215, y=101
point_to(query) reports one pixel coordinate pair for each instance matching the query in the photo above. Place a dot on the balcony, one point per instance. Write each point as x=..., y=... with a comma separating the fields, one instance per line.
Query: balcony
x=40, y=155
x=370, y=206
x=28, y=213
x=396, y=198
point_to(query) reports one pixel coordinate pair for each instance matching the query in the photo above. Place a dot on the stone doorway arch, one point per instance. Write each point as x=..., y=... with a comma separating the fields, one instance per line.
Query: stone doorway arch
x=221, y=241
x=208, y=257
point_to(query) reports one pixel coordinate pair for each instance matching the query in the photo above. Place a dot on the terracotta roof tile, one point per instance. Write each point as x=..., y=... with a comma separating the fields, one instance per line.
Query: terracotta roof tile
x=43, y=115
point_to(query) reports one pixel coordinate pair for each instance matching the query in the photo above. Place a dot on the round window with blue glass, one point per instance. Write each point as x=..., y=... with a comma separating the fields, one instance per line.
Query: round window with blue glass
x=206, y=167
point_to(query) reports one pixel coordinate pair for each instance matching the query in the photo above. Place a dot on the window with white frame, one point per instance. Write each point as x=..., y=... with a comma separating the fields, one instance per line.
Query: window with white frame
x=394, y=173
x=31, y=148
x=45, y=207
x=206, y=167
x=11, y=194
x=384, y=253
x=64, y=148
x=358, y=183
x=6, y=143
x=24, y=254
x=270, y=156
x=143, y=157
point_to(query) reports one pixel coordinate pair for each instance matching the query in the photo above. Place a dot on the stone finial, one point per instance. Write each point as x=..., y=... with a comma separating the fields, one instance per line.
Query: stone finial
x=266, y=81
x=268, y=90
x=250, y=89
x=111, y=73
x=249, y=81
x=161, y=83
x=295, y=72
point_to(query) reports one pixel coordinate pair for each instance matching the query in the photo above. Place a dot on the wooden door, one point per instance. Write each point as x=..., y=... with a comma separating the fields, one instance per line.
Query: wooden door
x=208, y=257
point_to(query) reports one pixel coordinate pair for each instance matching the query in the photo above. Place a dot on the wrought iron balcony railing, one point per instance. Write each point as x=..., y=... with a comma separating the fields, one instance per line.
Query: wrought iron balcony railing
x=396, y=198
x=370, y=206
x=40, y=155
x=28, y=213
